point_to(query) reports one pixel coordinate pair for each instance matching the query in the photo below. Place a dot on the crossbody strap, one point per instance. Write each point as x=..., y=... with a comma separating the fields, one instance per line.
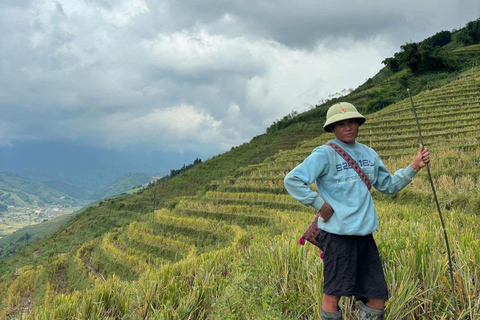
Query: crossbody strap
x=352, y=163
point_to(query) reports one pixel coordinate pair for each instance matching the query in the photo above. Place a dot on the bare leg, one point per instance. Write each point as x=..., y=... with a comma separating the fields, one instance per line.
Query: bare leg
x=330, y=309
x=330, y=303
x=376, y=303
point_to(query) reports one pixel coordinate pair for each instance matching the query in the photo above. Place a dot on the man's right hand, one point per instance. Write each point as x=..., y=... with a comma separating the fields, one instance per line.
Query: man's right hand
x=325, y=212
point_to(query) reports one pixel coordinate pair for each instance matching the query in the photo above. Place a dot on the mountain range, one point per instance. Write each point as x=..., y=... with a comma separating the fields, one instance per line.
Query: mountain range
x=20, y=192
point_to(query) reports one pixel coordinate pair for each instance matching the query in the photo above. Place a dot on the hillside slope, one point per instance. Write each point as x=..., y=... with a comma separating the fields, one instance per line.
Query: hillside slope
x=231, y=251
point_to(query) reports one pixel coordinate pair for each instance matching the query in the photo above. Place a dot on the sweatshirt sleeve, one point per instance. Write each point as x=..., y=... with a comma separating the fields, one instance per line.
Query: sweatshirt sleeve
x=298, y=180
x=390, y=184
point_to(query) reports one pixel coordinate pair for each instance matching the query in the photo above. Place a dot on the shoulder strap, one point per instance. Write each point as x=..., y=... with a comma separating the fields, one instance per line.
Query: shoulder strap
x=352, y=163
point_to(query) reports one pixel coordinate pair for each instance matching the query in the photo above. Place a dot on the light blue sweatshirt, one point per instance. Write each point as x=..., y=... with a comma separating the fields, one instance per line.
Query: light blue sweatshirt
x=341, y=187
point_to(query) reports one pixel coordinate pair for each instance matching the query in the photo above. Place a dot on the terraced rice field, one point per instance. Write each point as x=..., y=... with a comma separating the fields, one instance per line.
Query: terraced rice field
x=231, y=252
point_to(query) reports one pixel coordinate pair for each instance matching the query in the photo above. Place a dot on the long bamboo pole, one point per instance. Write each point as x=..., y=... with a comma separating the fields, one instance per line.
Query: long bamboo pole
x=438, y=209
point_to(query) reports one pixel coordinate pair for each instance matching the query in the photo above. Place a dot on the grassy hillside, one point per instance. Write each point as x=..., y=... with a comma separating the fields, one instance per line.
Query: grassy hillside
x=219, y=241
x=231, y=252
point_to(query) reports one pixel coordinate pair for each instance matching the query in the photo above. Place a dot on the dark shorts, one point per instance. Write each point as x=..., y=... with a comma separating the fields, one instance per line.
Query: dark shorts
x=352, y=267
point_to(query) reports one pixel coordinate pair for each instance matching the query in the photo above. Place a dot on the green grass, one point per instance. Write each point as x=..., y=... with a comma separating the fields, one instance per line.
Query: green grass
x=472, y=49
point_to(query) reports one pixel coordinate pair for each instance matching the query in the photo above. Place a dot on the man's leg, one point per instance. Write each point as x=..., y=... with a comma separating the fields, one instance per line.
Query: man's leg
x=330, y=303
x=371, y=288
x=376, y=303
x=330, y=310
x=371, y=283
x=339, y=266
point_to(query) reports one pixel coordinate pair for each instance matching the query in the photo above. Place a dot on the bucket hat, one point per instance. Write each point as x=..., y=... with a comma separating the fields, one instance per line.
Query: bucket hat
x=342, y=111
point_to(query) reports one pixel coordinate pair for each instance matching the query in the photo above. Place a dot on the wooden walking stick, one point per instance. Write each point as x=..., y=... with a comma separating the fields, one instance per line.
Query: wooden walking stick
x=439, y=211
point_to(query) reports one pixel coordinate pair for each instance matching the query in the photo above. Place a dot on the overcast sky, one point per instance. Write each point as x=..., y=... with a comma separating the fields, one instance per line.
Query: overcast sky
x=192, y=76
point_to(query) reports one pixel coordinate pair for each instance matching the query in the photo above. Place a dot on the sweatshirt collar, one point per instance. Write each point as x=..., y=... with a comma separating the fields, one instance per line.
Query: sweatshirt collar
x=344, y=145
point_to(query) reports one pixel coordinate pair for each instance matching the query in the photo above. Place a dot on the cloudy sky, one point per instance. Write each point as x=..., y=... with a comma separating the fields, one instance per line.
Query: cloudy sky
x=195, y=77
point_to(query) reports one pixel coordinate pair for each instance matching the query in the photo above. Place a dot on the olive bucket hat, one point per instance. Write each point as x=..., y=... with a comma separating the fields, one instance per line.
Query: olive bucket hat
x=342, y=111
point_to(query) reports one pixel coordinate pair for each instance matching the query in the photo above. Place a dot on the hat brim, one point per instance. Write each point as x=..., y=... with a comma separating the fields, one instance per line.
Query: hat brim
x=343, y=116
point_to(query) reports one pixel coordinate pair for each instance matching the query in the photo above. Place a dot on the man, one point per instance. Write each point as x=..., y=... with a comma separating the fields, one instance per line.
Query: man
x=352, y=265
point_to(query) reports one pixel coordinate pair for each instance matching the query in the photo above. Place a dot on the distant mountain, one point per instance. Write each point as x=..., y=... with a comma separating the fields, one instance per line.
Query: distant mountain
x=18, y=191
x=73, y=191
x=84, y=167
x=124, y=183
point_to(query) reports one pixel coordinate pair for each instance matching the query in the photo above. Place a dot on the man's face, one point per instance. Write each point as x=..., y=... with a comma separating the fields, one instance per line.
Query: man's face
x=346, y=130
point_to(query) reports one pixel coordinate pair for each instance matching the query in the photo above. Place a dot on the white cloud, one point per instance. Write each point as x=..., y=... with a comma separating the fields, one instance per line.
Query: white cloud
x=181, y=128
x=297, y=79
x=170, y=124
x=124, y=14
x=192, y=52
x=227, y=17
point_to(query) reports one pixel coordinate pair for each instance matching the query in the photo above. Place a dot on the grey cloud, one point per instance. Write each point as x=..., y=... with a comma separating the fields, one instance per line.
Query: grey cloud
x=92, y=72
x=304, y=23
